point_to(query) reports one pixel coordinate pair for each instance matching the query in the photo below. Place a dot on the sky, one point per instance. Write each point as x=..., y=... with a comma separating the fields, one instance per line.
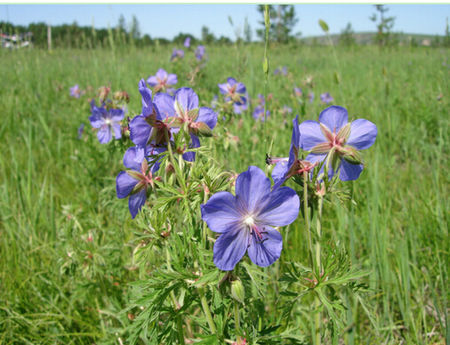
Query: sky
x=167, y=20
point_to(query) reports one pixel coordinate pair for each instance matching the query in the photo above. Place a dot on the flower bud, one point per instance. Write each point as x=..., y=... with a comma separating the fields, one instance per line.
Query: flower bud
x=103, y=92
x=121, y=96
x=351, y=155
x=237, y=290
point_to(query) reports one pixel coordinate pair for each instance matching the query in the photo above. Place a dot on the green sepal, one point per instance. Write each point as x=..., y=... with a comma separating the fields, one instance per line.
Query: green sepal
x=237, y=290
x=351, y=155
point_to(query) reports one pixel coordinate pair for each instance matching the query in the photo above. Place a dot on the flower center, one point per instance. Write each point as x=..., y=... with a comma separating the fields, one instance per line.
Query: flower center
x=249, y=221
x=108, y=121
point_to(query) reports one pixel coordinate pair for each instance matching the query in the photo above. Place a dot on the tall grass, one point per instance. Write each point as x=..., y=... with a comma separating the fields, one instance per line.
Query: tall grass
x=57, y=193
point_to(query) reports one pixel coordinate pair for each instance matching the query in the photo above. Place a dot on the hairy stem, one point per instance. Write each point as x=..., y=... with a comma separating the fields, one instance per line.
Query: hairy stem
x=317, y=316
x=237, y=322
x=207, y=312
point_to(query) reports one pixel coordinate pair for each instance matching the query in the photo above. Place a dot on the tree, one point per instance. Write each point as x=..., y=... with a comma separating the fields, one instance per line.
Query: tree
x=247, y=31
x=347, y=37
x=135, y=32
x=282, y=21
x=207, y=36
x=384, y=25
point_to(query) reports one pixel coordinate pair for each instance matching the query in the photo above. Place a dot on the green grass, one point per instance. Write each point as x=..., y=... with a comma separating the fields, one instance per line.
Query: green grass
x=57, y=287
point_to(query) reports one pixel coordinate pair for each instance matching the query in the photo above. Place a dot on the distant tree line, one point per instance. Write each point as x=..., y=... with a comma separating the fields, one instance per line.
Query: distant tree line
x=282, y=22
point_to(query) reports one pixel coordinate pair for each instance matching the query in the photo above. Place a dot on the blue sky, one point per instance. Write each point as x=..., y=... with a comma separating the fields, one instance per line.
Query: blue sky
x=159, y=20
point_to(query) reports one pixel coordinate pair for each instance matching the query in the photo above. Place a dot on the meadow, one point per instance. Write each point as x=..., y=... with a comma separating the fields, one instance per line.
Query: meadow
x=68, y=245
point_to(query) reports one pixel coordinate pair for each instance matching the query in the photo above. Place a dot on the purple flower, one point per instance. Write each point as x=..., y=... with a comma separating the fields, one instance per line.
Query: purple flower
x=286, y=110
x=298, y=92
x=151, y=125
x=245, y=221
x=200, y=52
x=337, y=142
x=258, y=113
x=311, y=97
x=80, y=131
x=184, y=111
x=75, y=91
x=162, y=81
x=177, y=54
x=136, y=181
x=187, y=42
x=282, y=70
x=240, y=108
x=106, y=120
x=326, y=98
x=286, y=168
x=234, y=91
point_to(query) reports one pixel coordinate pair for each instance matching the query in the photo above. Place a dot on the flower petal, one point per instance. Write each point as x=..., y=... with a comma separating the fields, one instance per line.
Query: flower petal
x=334, y=118
x=208, y=116
x=117, y=130
x=252, y=188
x=310, y=135
x=104, y=135
x=136, y=201
x=124, y=184
x=152, y=81
x=264, y=252
x=172, y=79
x=348, y=171
x=230, y=247
x=116, y=115
x=146, y=95
x=362, y=135
x=190, y=156
x=133, y=157
x=187, y=98
x=165, y=104
x=279, y=173
x=221, y=212
x=281, y=207
x=139, y=130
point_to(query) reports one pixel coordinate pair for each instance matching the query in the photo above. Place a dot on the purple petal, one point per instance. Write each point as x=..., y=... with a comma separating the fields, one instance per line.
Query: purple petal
x=348, y=171
x=310, y=135
x=187, y=98
x=136, y=201
x=295, y=139
x=152, y=81
x=363, y=134
x=117, y=130
x=133, y=158
x=104, y=135
x=117, y=115
x=221, y=212
x=281, y=207
x=96, y=120
x=264, y=252
x=231, y=81
x=146, y=95
x=139, y=130
x=230, y=247
x=190, y=156
x=124, y=184
x=279, y=173
x=334, y=118
x=208, y=116
x=165, y=104
x=252, y=189
x=240, y=88
x=223, y=88
x=161, y=74
x=172, y=79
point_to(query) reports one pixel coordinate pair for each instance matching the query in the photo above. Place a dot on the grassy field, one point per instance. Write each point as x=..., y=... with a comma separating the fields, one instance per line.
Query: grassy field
x=66, y=241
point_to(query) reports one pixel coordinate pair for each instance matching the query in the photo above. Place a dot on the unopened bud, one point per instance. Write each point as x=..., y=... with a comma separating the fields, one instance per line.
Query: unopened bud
x=237, y=290
x=169, y=169
x=201, y=129
x=103, y=92
x=121, y=96
x=351, y=155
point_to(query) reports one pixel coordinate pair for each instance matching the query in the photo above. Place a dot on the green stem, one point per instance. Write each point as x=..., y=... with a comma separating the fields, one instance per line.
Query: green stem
x=317, y=316
x=266, y=69
x=206, y=310
x=307, y=223
x=237, y=322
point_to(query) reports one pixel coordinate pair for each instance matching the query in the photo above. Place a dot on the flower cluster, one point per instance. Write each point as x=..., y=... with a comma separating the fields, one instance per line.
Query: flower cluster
x=162, y=117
